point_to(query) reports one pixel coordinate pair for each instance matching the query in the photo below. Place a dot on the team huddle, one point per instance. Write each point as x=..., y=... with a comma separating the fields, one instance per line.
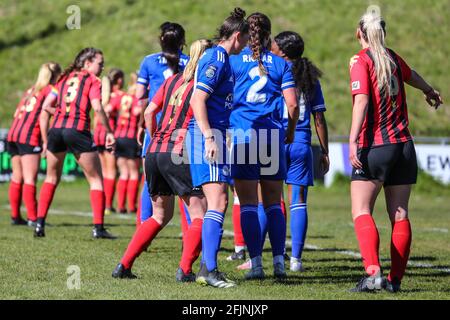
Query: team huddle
x=236, y=113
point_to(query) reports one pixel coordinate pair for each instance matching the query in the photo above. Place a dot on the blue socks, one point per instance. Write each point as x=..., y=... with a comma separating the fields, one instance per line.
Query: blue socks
x=251, y=229
x=211, y=237
x=277, y=229
x=299, y=221
x=262, y=218
x=146, y=204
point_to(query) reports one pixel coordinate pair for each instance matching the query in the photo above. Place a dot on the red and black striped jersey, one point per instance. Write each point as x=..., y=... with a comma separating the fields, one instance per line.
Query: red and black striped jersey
x=173, y=99
x=74, y=95
x=386, y=120
x=25, y=127
x=129, y=114
x=112, y=114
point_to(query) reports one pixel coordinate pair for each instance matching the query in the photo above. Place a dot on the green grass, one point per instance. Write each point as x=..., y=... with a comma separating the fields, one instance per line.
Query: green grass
x=36, y=268
x=33, y=31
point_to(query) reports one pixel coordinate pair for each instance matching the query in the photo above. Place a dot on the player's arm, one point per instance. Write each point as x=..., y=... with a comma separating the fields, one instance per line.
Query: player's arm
x=48, y=109
x=150, y=117
x=432, y=96
x=141, y=95
x=320, y=124
x=290, y=98
x=360, y=106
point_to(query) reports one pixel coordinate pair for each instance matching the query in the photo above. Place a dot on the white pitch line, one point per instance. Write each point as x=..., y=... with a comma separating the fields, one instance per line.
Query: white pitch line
x=229, y=233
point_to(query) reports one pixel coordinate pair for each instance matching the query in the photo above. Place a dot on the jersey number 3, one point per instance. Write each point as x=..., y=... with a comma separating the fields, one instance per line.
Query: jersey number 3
x=253, y=95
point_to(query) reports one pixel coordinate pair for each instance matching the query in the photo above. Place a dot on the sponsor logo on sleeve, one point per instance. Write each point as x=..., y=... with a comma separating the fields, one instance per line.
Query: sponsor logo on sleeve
x=210, y=72
x=356, y=85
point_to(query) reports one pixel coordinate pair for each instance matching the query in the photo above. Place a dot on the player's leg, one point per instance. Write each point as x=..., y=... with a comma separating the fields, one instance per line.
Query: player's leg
x=239, y=242
x=15, y=190
x=55, y=162
x=122, y=184
x=109, y=170
x=276, y=223
x=192, y=240
x=397, y=199
x=30, y=167
x=299, y=224
x=163, y=207
x=133, y=183
x=146, y=203
x=90, y=163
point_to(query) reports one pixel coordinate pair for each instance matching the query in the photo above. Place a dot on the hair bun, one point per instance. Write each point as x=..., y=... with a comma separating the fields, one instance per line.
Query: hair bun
x=238, y=13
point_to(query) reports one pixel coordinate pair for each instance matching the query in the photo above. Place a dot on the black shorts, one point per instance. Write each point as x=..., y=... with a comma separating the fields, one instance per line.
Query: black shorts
x=127, y=148
x=72, y=140
x=21, y=149
x=394, y=164
x=165, y=178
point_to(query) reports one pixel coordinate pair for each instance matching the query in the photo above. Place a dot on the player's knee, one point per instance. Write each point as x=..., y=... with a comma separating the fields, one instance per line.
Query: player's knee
x=400, y=214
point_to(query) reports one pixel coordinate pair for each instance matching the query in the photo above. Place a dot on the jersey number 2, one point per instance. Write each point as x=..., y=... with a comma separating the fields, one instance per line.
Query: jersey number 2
x=253, y=95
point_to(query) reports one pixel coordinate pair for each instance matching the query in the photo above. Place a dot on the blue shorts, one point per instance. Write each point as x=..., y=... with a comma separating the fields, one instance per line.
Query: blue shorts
x=146, y=143
x=202, y=171
x=247, y=165
x=299, y=160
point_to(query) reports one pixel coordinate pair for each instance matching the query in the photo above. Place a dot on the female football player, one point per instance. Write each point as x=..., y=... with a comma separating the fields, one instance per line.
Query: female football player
x=24, y=144
x=111, y=86
x=168, y=172
x=382, y=150
x=78, y=89
x=290, y=46
x=155, y=68
x=212, y=102
x=262, y=80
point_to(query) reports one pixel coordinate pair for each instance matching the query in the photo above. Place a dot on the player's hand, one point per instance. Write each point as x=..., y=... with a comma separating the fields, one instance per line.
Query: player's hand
x=211, y=150
x=140, y=136
x=110, y=142
x=353, y=156
x=433, y=98
x=324, y=163
x=44, y=150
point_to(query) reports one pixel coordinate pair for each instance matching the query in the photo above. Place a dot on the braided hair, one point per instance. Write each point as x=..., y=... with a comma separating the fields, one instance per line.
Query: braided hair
x=260, y=29
x=306, y=74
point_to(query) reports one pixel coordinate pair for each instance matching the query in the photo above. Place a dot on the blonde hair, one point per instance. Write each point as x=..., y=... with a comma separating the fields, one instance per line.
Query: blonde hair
x=108, y=82
x=132, y=84
x=197, y=49
x=373, y=29
x=48, y=74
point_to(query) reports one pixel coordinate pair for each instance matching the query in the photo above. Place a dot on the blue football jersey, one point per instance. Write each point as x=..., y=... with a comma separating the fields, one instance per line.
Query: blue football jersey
x=154, y=70
x=258, y=99
x=303, y=128
x=214, y=76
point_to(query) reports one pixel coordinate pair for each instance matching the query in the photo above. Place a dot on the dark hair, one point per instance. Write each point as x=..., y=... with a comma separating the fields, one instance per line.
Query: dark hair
x=80, y=59
x=306, y=74
x=172, y=38
x=260, y=29
x=114, y=75
x=234, y=23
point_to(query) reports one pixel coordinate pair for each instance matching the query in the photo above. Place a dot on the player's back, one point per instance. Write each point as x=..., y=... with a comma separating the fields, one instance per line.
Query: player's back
x=258, y=97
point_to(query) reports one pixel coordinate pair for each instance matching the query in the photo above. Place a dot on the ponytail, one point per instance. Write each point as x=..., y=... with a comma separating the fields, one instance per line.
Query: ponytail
x=78, y=63
x=305, y=73
x=172, y=38
x=197, y=49
x=373, y=29
x=48, y=74
x=108, y=82
x=260, y=29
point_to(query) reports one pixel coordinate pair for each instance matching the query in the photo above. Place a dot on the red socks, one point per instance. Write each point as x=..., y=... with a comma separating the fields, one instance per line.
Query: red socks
x=369, y=242
x=15, y=198
x=238, y=236
x=29, y=197
x=121, y=193
x=98, y=205
x=192, y=245
x=132, y=192
x=283, y=208
x=141, y=239
x=400, y=245
x=45, y=199
x=184, y=223
x=110, y=188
